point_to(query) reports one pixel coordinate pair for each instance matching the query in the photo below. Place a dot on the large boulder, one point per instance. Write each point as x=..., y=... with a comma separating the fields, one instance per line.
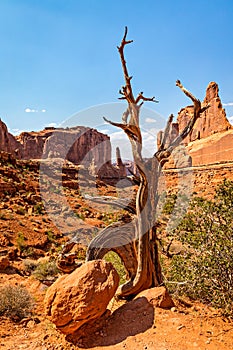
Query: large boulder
x=82, y=296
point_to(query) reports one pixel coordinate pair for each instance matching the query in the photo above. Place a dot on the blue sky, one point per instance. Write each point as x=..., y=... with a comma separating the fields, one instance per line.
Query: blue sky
x=59, y=57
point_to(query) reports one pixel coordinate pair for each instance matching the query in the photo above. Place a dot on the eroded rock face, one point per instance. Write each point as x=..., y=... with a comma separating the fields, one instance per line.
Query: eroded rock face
x=209, y=142
x=78, y=144
x=32, y=144
x=82, y=296
x=214, y=149
x=212, y=121
x=8, y=143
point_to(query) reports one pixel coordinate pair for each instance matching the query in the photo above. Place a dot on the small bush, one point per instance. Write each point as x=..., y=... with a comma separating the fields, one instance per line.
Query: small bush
x=20, y=240
x=39, y=208
x=15, y=302
x=2, y=216
x=20, y=211
x=30, y=265
x=169, y=204
x=204, y=270
x=51, y=236
x=117, y=263
x=46, y=270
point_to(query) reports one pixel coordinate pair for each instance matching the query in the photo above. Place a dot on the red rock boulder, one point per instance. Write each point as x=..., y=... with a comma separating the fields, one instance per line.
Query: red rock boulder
x=82, y=296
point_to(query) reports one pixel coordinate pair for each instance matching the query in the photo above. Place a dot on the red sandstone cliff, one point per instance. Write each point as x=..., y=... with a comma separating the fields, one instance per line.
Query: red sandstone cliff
x=211, y=140
x=8, y=143
x=77, y=144
x=212, y=121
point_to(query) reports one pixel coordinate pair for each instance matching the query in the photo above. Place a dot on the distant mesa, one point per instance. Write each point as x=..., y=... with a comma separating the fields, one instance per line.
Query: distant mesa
x=76, y=144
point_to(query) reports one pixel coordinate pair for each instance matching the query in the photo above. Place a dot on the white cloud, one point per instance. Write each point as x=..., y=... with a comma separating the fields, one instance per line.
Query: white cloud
x=104, y=131
x=52, y=125
x=149, y=140
x=118, y=135
x=32, y=110
x=228, y=104
x=150, y=120
x=15, y=131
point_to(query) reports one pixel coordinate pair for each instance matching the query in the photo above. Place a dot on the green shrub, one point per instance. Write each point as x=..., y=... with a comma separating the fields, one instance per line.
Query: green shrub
x=169, y=204
x=2, y=215
x=51, y=236
x=20, y=241
x=38, y=208
x=204, y=269
x=46, y=270
x=15, y=302
x=117, y=263
x=20, y=211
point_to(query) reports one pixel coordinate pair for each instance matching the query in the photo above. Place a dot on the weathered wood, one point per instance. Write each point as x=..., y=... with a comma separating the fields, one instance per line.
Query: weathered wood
x=148, y=272
x=136, y=242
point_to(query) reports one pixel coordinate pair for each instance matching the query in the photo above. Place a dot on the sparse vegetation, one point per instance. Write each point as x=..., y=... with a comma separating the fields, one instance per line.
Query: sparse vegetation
x=38, y=208
x=30, y=265
x=15, y=302
x=80, y=216
x=50, y=236
x=2, y=216
x=204, y=269
x=46, y=270
x=20, y=240
x=20, y=211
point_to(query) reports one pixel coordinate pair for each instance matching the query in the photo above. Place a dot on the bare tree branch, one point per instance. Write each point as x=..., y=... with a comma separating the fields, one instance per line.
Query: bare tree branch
x=127, y=90
x=141, y=97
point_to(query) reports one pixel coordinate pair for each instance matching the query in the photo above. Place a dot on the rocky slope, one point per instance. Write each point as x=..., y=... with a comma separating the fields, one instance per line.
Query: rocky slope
x=29, y=236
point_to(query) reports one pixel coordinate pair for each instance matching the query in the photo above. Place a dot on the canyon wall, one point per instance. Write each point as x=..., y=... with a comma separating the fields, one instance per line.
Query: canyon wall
x=212, y=121
x=78, y=144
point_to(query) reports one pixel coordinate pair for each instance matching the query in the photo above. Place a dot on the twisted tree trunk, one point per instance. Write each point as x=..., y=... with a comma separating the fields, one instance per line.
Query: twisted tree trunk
x=135, y=242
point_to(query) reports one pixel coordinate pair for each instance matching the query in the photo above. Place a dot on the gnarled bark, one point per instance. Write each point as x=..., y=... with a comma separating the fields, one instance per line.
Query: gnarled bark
x=136, y=244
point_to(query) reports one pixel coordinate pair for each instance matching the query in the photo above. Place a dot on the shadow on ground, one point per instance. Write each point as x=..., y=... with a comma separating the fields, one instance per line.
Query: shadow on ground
x=130, y=319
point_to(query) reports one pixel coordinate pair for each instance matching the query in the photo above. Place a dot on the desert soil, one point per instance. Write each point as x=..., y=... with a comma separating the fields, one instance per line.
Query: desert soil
x=132, y=325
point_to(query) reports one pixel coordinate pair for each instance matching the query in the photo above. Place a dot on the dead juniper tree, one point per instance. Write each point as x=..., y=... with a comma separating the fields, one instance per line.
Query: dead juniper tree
x=135, y=241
